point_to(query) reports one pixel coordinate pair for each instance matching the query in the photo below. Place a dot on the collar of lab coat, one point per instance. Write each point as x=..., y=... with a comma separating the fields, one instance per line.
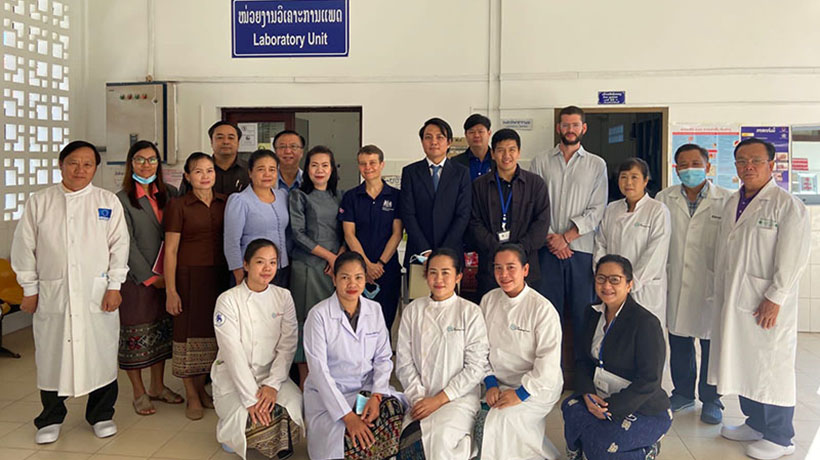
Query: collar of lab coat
x=443, y=303
x=514, y=301
x=250, y=292
x=82, y=191
x=644, y=199
x=762, y=195
x=338, y=314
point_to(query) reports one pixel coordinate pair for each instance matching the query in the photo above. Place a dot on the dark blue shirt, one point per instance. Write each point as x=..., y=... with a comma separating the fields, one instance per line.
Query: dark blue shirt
x=477, y=167
x=373, y=218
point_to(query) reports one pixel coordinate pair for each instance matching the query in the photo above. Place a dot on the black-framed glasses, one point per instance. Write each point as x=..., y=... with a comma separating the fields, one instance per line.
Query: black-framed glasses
x=612, y=279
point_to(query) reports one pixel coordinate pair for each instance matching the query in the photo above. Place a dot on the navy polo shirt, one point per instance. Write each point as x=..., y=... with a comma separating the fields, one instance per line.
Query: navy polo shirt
x=373, y=218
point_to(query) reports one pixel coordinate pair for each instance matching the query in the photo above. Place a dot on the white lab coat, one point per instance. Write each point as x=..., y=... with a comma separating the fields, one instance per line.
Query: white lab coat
x=690, y=307
x=443, y=347
x=763, y=254
x=70, y=247
x=257, y=335
x=525, y=349
x=342, y=363
x=642, y=236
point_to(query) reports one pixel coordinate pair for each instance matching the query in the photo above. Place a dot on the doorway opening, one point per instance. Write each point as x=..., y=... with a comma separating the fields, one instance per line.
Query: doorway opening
x=339, y=128
x=616, y=134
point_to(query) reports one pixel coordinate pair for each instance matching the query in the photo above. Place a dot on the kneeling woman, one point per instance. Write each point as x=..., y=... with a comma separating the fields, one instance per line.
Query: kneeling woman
x=441, y=359
x=619, y=410
x=348, y=352
x=524, y=332
x=258, y=406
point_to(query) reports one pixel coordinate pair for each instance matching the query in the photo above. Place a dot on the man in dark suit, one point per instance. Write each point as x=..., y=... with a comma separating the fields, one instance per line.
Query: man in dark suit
x=478, y=156
x=435, y=195
x=510, y=205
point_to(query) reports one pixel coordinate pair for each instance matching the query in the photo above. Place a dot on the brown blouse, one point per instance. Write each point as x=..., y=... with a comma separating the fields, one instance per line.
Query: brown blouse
x=200, y=226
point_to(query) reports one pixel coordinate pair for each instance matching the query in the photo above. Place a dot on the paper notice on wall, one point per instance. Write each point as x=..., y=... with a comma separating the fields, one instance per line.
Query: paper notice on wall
x=248, y=141
x=172, y=176
x=779, y=137
x=719, y=140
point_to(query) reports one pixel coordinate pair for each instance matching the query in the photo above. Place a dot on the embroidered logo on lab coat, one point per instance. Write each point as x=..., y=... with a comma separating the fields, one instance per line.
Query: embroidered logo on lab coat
x=387, y=205
x=274, y=315
x=638, y=224
x=514, y=327
x=103, y=213
x=454, y=329
x=219, y=319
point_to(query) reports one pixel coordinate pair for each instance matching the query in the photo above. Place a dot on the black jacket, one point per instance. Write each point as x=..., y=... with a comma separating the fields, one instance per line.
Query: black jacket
x=463, y=159
x=434, y=218
x=635, y=350
x=528, y=222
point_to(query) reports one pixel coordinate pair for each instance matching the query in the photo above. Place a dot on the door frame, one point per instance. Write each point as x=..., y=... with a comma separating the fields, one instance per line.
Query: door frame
x=664, y=111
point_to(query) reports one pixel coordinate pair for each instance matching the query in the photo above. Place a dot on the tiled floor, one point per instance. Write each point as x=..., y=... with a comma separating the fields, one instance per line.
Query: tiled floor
x=168, y=434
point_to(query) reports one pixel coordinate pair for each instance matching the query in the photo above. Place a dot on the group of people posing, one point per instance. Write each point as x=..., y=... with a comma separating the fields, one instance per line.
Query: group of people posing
x=253, y=268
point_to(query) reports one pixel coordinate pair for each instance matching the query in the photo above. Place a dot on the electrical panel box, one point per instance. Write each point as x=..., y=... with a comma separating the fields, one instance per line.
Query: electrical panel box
x=140, y=111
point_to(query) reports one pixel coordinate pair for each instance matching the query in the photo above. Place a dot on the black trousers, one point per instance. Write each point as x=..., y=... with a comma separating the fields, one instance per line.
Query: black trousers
x=100, y=406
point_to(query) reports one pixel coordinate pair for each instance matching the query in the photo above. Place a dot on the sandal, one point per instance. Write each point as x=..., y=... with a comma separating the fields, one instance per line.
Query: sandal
x=167, y=396
x=143, y=406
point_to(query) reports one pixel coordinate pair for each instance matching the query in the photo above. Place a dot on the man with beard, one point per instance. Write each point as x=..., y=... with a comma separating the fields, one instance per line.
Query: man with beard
x=231, y=172
x=577, y=186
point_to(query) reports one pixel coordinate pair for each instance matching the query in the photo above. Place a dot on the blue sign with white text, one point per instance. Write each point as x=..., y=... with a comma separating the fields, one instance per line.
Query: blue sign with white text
x=611, y=97
x=289, y=28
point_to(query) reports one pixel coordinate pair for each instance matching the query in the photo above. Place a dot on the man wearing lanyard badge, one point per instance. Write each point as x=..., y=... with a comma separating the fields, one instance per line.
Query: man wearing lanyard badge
x=509, y=205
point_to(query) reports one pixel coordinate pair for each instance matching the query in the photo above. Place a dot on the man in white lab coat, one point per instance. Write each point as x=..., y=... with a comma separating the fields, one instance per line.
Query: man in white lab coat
x=695, y=207
x=763, y=248
x=70, y=253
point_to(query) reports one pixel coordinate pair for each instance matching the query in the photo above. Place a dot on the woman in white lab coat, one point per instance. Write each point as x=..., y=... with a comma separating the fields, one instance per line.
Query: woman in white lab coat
x=525, y=382
x=350, y=408
x=441, y=359
x=638, y=228
x=258, y=406
x=70, y=254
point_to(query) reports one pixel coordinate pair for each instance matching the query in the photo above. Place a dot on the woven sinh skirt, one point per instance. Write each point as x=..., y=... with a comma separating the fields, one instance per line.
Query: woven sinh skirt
x=386, y=429
x=145, y=327
x=277, y=439
x=194, y=340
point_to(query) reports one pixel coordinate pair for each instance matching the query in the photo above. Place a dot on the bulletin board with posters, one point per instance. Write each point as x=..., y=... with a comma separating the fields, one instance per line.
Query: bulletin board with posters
x=720, y=141
x=805, y=163
x=779, y=137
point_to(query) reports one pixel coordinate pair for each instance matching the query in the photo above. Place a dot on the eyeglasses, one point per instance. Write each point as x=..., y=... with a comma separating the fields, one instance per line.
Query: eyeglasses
x=289, y=147
x=613, y=279
x=141, y=160
x=754, y=161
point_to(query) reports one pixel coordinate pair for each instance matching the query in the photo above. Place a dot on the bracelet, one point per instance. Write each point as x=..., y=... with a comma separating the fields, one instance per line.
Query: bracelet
x=565, y=239
x=382, y=262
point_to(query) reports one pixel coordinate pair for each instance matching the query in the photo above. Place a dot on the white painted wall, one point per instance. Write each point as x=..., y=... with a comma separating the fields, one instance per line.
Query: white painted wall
x=745, y=61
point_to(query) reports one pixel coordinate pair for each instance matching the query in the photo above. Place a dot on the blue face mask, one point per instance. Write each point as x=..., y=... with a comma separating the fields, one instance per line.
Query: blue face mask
x=143, y=180
x=692, y=177
x=371, y=294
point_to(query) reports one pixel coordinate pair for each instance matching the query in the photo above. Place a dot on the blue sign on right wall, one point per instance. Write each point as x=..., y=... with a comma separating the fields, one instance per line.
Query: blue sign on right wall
x=611, y=97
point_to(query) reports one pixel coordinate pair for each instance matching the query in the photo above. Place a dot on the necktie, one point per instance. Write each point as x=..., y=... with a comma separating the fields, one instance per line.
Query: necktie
x=436, y=170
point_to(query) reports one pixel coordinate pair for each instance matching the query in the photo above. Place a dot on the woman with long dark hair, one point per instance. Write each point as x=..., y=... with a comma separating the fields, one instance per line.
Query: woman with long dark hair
x=145, y=327
x=317, y=235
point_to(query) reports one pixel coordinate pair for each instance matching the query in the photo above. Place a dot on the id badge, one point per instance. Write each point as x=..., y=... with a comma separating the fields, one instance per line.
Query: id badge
x=601, y=385
x=503, y=237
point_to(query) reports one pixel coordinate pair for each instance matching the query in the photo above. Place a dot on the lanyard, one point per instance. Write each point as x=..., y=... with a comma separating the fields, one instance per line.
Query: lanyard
x=504, y=205
x=606, y=332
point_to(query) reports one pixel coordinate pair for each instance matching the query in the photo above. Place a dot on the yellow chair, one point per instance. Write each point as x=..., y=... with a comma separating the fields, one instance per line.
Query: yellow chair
x=11, y=294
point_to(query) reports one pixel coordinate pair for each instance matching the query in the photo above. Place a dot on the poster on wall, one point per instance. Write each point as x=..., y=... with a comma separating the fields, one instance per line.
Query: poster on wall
x=779, y=136
x=283, y=28
x=249, y=138
x=720, y=141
